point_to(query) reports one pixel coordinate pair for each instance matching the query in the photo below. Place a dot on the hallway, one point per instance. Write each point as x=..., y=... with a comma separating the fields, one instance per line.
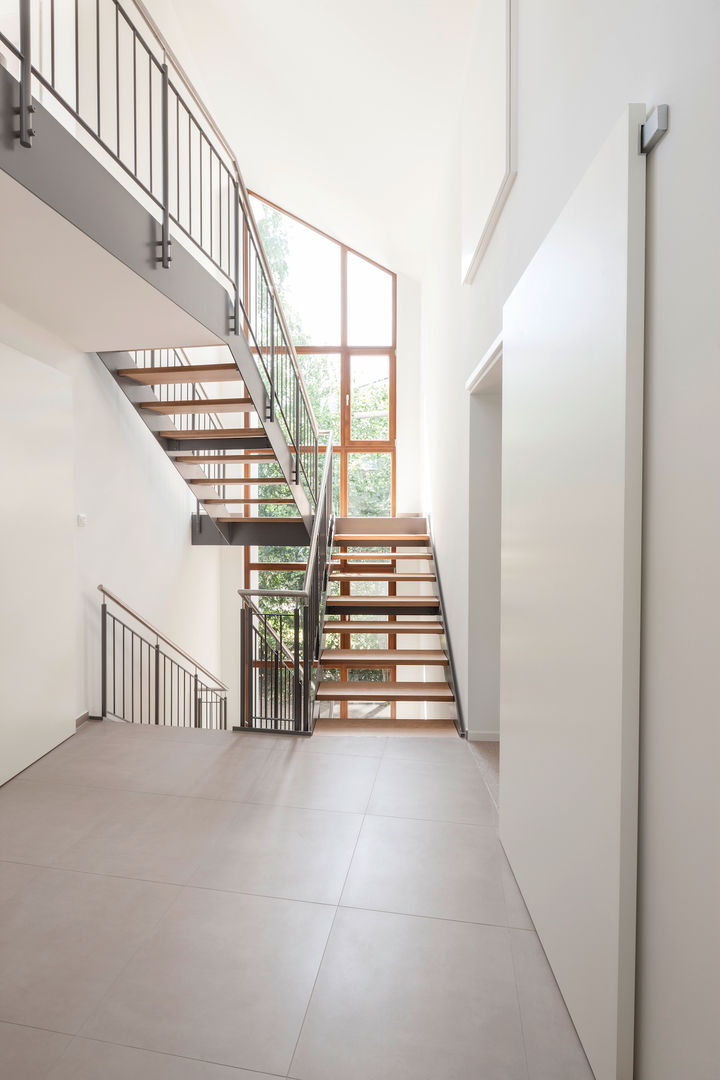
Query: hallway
x=194, y=905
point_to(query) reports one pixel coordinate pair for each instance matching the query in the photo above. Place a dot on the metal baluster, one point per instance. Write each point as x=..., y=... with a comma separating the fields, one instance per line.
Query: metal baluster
x=103, y=646
x=165, y=242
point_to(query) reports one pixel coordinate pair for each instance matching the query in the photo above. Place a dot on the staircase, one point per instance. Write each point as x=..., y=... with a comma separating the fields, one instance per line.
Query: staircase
x=236, y=422
x=383, y=585
x=221, y=441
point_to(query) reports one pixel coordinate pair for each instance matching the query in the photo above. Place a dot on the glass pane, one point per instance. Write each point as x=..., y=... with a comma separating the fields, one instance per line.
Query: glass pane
x=306, y=269
x=369, y=485
x=369, y=303
x=370, y=398
x=322, y=379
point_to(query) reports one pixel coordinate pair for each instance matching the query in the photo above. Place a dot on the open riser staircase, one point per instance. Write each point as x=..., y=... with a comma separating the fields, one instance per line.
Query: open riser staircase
x=384, y=636
x=235, y=420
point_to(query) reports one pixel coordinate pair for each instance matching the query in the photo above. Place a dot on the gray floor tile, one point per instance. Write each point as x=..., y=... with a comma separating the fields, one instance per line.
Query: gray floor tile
x=417, y=789
x=451, y=750
x=14, y=877
x=403, y=998
x=132, y=763
x=349, y=745
x=86, y=1059
x=282, y=851
x=155, y=837
x=225, y=978
x=65, y=937
x=40, y=821
x=518, y=915
x=553, y=1048
x=433, y=868
x=233, y=774
x=487, y=756
x=316, y=781
x=160, y=732
x=27, y=1053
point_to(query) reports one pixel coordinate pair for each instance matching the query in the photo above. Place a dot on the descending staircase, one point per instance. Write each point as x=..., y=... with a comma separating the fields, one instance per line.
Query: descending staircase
x=217, y=436
x=394, y=554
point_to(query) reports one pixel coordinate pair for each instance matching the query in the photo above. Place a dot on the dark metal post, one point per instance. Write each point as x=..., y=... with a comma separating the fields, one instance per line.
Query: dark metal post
x=250, y=667
x=271, y=415
x=297, y=695
x=157, y=682
x=103, y=646
x=243, y=670
x=26, y=106
x=236, y=302
x=307, y=667
x=196, y=704
x=224, y=713
x=297, y=429
x=165, y=242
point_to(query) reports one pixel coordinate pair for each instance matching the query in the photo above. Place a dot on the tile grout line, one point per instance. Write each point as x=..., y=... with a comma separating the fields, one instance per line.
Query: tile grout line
x=161, y=1053
x=276, y=896
x=332, y=925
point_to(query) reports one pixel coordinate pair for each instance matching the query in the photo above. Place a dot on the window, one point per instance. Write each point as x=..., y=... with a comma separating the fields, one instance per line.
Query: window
x=340, y=308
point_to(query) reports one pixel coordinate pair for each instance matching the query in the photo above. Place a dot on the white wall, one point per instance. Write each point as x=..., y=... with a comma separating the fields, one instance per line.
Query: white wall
x=37, y=579
x=485, y=435
x=407, y=473
x=137, y=538
x=578, y=65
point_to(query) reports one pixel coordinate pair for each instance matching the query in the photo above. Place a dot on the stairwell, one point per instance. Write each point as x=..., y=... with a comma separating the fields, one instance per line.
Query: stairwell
x=410, y=677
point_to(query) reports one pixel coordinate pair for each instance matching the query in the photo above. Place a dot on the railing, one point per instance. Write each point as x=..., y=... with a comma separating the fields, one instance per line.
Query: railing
x=147, y=679
x=159, y=358
x=174, y=392
x=116, y=77
x=280, y=681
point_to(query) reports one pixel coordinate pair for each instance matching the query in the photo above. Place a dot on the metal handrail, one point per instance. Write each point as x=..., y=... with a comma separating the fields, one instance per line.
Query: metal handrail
x=269, y=629
x=315, y=539
x=144, y=26
x=160, y=636
x=304, y=593
x=245, y=198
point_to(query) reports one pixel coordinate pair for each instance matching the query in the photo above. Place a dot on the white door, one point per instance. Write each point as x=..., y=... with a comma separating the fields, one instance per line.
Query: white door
x=570, y=608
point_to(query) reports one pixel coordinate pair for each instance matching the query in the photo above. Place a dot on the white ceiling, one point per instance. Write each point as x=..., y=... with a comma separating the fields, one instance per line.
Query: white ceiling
x=341, y=111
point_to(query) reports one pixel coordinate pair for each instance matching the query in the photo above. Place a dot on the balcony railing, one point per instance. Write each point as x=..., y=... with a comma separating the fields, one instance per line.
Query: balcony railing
x=108, y=73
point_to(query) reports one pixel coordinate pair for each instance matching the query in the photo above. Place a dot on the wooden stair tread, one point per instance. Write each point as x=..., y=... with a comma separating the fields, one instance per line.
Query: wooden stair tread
x=296, y=567
x=200, y=405
x=380, y=539
x=432, y=626
x=199, y=482
x=181, y=373
x=382, y=575
x=239, y=519
x=369, y=658
x=379, y=556
x=332, y=690
x=214, y=433
x=248, y=502
x=251, y=457
x=383, y=601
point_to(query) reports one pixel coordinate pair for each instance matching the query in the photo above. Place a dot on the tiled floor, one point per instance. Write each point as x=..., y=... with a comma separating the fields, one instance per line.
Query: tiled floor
x=181, y=905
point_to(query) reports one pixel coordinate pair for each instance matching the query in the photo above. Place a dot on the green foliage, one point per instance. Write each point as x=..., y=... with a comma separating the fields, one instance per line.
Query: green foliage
x=369, y=485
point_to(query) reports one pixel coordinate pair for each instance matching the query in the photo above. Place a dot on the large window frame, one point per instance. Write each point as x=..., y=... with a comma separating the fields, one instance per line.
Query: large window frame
x=345, y=351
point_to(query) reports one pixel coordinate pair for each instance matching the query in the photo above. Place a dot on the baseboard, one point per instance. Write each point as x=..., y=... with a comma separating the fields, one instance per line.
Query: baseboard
x=82, y=719
x=483, y=736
